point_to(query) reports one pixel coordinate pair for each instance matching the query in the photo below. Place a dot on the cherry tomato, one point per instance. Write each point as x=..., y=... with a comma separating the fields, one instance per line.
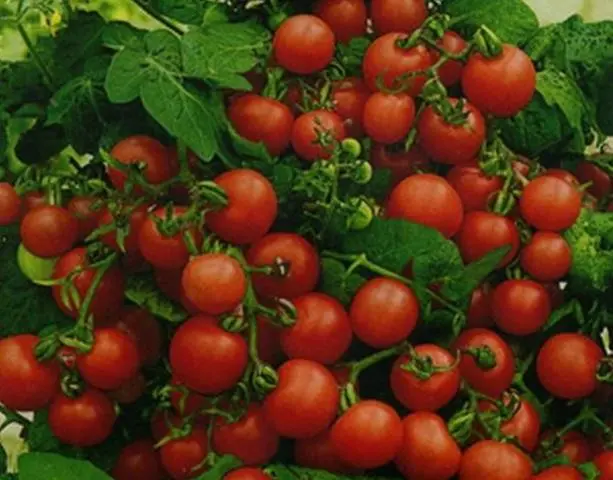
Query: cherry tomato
x=83, y=421
x=269, y=341
x=548, y=203
x=48, y=231
x=480, y=310
x=133, y=223
x=604, y=462
x=500, y=85
x=303, y=44
x=563, y=175
x=547, y=257
x=474, y=187
x=346, y=18
x=573, y=444
x=183, y=400
x=450, y=72
x=387, y=118
x=249, y=473
x=520, y=307
x=146, y=332
x=349, y=97
x=10, y=204
x=305, y=400
x=200, y=344
x=601, y=182
x=315, y=133
x=162, y=422
x=130, y=391
x=559, y=472
x=81, y=208
x=31, y=200
x=319, y=453
x=138, y=461
x=397, y=15
x=567, y=365
x=428, y=200
x=384, y=312
x=400, y=163
x=495, y=461
x=182, y=456
x=251, y=208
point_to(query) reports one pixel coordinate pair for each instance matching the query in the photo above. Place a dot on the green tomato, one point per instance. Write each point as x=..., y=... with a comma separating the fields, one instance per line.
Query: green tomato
x=363, y=215
x=352, y=147
x=362, y=173
x=35, y=268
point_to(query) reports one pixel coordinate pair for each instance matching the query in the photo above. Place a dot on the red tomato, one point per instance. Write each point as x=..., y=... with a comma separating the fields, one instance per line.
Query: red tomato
x=387, y=118
x=428, y=200
x=474, y=187
x=84, y=421
x=493, y=460
x=313, y=128
x=397, y=15
x=269, y=342
x=368, y=435
x=433, y=393
x=138, y=461
x=319, y=453
x=185, y=401
x=563, y=175
x=501, y=85
x=205, y=357
x=450, y=72
x=247, y=474
x=130, y=391
x=400, y=163
x=604, y=462
x=305, y=400
x=262, y=119
x=182, y=457
x=559, y=472
x=567, y=365
x=349, y=97
x=251, y=210
x=31, y=200
x=384, y=312
x=574, y=445
x=484, y=232
x=169, y=282
x=303, y=44
x=134, y=221
x=145, y=330
x=25, y=384
x=547, y=257
x=548, y=203
x=490, y=381
x=48, y=231
x=346, y=18
x=385, y=59
x=520, y=307
x=428, y=451
x=601, y=182
x=480, y=310
x=445, y=142
x=162, y=422
x=81, y=208
x=10, y=204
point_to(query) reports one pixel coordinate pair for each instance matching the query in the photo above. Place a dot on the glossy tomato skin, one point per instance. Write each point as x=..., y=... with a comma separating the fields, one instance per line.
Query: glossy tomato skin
x=428, y=451
x=135, y=221
x=480, y=310
x=248, y=473
x=349, y=97
x=138, y=461
x=495, y=461
x=49, y=231
x=547, y=257
x=181, y=456
x=81, y=207
x=601, y=181
x=559, y=472
x=10, y=204
x=305, y=401
x=262, y=119
x=384, y=312
x=428, y=200
x=269, y=341
x=318, y=452
x=431, y=394
x=346, y=18
x=305, y=134
x=401, y=164
x=34, y=199
x=388, y=118
x=303, y=44
x=474, y=187
x=450, y=72
x=604, y=462
x=563, y=175
x=146, y=332
x=25, y=384
x=501, y=85
x=520, y=307
x=83, y=421
x=575, y=446
x=397, y=15
x=567, y=365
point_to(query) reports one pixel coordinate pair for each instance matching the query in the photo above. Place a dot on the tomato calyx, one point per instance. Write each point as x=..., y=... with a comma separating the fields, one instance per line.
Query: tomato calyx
x=423, y=367
x=605, y=371
x=484, y=356
x=487, y=42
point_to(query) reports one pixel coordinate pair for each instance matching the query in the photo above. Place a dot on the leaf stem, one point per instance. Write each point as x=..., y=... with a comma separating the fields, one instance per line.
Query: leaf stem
x=12, y=417
x=145, y=7
x=48, y=79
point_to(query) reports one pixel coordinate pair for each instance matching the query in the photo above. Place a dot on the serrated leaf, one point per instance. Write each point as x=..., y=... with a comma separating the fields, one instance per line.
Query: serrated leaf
x=337, y=283
x=36, y=466
x=142, y=290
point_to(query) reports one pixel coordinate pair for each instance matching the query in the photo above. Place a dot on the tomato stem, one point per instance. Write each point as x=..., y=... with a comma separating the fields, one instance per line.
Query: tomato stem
x=11, y=417
x=358, y=367
x=40, y=64
x=145, y=7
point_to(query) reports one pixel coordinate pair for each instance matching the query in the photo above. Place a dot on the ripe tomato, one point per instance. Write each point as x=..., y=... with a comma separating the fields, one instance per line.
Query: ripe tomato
x=368, y=435
x=146, y=332
x=169, y=282
x=520, y=307
x=397, y=15
x=10, y=204
x=319, y=453
x=483, y=232
x=604, y=462
x=48, y=231
x=81, y=208
x=315, y=133
x=248, y=473
x=303, y=44
x=547, y=257
x=426, y=395
x=563, y=175
x=322, y=331
x=384, y=312
x=134, y=221
x=348, y=98
x=548, y=203
x=428, y=200
x=490, y=381
x=251, y=439
x=445, y=142
x=262, y=119
x=501, y=85
x=574, y=445
x=400, y=163
x=138, y=461
x=601, y=182
x=215, y=283
x=559, y=472
x=495, y=461
x=162, y=422
x=474, y=187
x=305, y=400
x=480, y=310
x=567, y=365
x=130, y=391
x=346, y=18
x=34, y=199
x=251, y=210
x=182, y=456
x=428, y=451
x=183, y=400
x=269, y=341
x=387, y=118
x=450, y=72
x=385, y=59
x=83, y=421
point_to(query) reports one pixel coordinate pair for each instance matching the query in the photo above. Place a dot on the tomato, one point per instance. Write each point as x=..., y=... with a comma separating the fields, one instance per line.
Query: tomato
x=162, y=423
x=251, y=439
x=428, y=451
x=474, y=187
x=433, y=393
x=305, y=400
x=33, y=267
x=559, y=472
x=25, y=384
x=261, y=119
x=81, y=208
x=138, y=461
x=144, y=150
x=604, y=462
x=384, y=59
x=133, y=223
x=547, y=257
x=520, y=307
x=490, y=381
x=10, y=204
x=214, y=282
x=130, y=391
x=182, y=457
x=346, y=18
x=548, y=203
x=251, y=208
x=113, y=359
x=31, y=200
x=303, y=44
x=293, y=253
x=322, y=331
x=185, y=401
x=205, y=357
x=601, y=182
x=387, y=118
x=83, y=421
x=495, y=461
x=319, y=453
x=563, y=175
x=484, y=232
x=368, y=435
x=567, y=365
x=247, y=474
x=400, y=163
x=500, y=85
x=450, y=143
x=428, y=200
x=315, y=134
x=397, y=15
x=384, y=312
x=576, y=447
x=169, y=281
x=480, y=310
x=349, y=97
x=450, y=72
x=108, y=299
x=48, y=231
x=145, y=330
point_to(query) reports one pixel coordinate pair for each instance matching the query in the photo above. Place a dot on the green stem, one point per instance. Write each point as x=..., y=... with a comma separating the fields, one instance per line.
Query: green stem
x=145, y=7
x=12, y=417
x=373, y=359
x=84, y=318
x=48, y=79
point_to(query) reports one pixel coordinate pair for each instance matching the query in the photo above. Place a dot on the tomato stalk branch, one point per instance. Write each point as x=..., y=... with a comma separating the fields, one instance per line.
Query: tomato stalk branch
x=11, y=417
x=40, y=64
x=358, y=367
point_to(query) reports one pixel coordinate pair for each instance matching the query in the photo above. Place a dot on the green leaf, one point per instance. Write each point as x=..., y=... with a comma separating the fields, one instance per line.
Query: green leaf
x=336, y=282
x=142, y=290
x=193, y=12
x=49, y=466
x=20, y=82
x=117, y=35
x=290, y=472
x=221, y=467
x=350, y=55
x=126, y=75
x=561, y=313
x=38, y=434
x=41, y=143
x=589, y=471
x=245, y=147
x=439, y=265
